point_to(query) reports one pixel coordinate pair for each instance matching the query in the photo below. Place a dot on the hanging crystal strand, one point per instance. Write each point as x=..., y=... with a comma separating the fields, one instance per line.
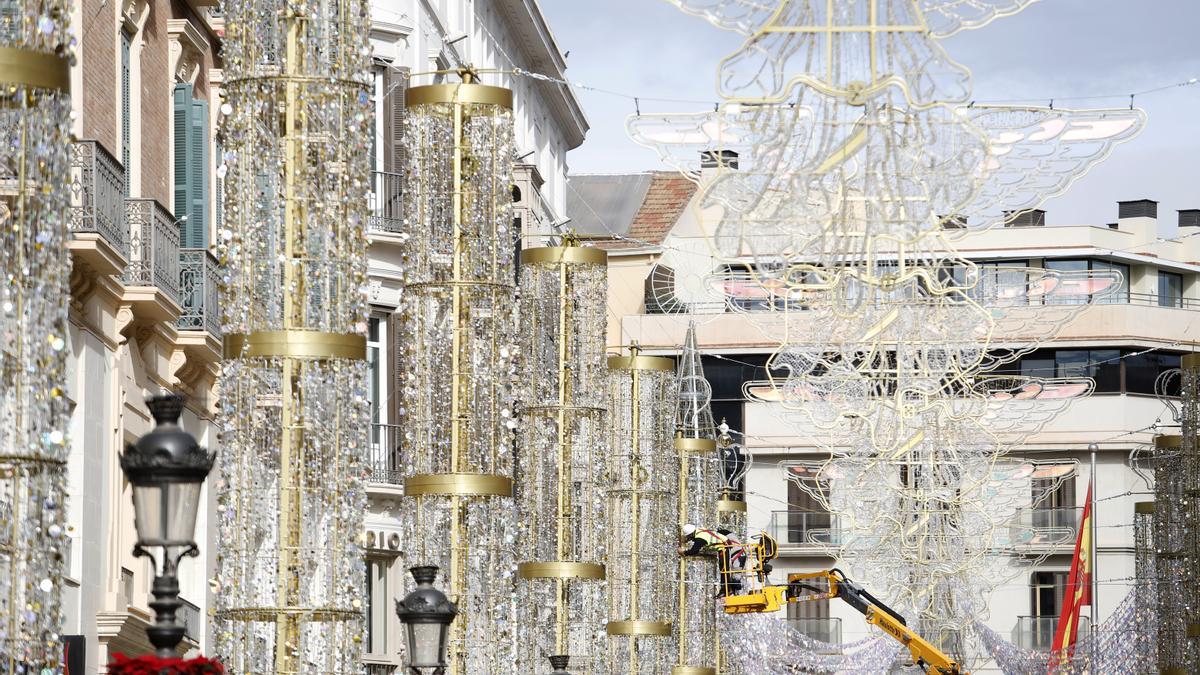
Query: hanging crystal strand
x=699, y=468
x=642, y=515
x=35, y=111
x=563, y=457
x=294, y=398
x=458, y=328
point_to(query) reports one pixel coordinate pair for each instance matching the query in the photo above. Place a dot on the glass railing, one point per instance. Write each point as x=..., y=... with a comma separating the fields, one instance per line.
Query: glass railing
x=824, y=629
x=1045, y=527
x=1037, y=632
x=804, y=529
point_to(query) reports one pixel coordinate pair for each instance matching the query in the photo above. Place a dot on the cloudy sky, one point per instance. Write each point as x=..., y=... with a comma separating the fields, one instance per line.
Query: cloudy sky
x=1054, y=49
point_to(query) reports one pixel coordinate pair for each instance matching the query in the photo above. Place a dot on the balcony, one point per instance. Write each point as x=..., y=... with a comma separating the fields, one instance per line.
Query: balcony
x=97, y=221
x=381, y=668
x=1045, y=529
x=823, y=630
x=189, y=616
x=199, y=291
x=385, y=203
x=1037, y=632
x=385, y=454
x=152, y=275
x=800, y=531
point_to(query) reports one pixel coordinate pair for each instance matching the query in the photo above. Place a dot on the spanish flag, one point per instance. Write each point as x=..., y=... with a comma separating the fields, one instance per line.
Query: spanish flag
x=1079, y=588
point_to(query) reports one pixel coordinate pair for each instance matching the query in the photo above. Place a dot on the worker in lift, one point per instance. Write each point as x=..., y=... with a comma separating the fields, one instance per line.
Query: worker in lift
x=720, y=544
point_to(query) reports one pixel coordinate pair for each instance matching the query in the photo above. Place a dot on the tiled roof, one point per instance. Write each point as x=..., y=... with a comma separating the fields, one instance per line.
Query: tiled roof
x=667, y=197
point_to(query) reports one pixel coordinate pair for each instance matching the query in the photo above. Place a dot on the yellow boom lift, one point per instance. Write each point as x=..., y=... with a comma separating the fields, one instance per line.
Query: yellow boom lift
x=761, y=596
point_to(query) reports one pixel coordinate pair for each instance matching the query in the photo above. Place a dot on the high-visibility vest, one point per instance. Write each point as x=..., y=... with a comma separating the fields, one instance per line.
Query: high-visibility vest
x=713, y=540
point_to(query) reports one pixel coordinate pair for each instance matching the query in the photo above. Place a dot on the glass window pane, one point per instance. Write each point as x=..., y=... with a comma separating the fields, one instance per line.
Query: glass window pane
x=1071, y=363
x=1121, y=295
x=1140, y=372
x=1170, y=289
x=1105, y=368
x=1067, y=265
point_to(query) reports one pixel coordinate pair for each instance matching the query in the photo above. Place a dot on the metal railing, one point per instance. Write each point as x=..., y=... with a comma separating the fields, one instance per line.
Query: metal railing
x=828, y=629
x=189, y=617
x=1037, y=632
x=386, y=202
x=153, y=246
x=199, y=291
x=1154, y=300
x=97, y=194
x=804, y=529
x=1045, y=527
x=385, y=453
x=381, y=668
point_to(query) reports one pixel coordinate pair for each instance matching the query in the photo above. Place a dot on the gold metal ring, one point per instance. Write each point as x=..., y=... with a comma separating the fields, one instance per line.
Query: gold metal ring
x=34, y=69
x=696, y=445
x=459, y=93
x=640, y=363
x=1173, y=670
x=731, y=506
x=693, y=670
x=300, y=344
x=560, y=569
x=1193, y=630
x=638, y=628
x=466, y=484
x=1144, y=507
x=1190, y=361
x=567, y=255
x=1168, y=441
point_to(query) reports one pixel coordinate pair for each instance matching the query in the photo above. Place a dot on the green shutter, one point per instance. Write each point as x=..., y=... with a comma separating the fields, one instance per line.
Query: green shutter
x=196, y=232
x=183, y=128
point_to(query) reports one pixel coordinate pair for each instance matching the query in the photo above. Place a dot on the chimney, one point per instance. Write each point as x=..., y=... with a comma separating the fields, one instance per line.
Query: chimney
x=1138, y=208
x=1026, y=218
x=1189, y=217
x=726, y=159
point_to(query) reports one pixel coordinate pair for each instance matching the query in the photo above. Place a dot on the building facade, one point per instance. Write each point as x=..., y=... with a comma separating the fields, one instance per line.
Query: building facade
x=419, y=42
x=1123, y=342
x=143, y=295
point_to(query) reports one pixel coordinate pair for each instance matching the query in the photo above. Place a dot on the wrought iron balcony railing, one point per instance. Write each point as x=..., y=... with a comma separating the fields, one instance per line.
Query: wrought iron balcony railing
x=828, y=629
x=804, y=529
x=199, y=291
x=153, y=247
x=1037, y=632
x=386, y=209
x=385, y=453
x=97, y=194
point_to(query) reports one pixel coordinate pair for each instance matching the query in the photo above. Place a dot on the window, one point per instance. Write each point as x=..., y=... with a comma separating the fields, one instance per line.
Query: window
x=811, y=618
x=1102, y=365
x=1046, y=591
x=378, y=601
x=1053, y=496
x=1170, y=289
x=126, y=105
x=808, y=519
x=1141, y=370
x=191, y=166
x=377, y=360
x=1121, y=295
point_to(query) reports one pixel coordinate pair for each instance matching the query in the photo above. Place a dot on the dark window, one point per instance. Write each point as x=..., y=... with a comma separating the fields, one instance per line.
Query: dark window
x=1170, y=289
x=1141, y=370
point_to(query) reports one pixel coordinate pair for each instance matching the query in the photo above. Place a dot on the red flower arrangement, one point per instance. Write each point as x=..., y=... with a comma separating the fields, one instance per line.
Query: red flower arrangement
x=153, y=665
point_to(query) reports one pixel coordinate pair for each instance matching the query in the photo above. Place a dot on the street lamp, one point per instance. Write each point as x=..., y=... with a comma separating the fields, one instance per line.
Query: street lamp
x=166, y=468
x=559, y=663
x=427, y=614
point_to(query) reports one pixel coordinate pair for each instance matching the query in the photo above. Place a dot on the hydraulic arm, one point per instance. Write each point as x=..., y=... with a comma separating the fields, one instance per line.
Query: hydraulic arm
x=924, y=654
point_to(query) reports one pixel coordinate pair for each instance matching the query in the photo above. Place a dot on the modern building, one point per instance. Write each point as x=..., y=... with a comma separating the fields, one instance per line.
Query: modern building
x=143, y=292
x=1124, y=342
x=414, y=43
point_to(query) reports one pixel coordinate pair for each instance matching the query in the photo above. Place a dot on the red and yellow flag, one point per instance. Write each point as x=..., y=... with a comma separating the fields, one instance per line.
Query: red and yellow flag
x=1079, y=587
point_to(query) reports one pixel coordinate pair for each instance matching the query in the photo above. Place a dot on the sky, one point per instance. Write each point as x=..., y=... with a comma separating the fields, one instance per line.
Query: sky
x=1055, y=49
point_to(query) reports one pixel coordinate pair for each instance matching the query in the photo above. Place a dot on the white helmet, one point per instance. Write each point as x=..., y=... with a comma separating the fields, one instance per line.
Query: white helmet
x=689, y=530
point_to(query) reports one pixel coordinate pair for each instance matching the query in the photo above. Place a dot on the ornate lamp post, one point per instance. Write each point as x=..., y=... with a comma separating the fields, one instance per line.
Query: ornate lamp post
x=427, y=614
x=167, y=468
x=559, y=663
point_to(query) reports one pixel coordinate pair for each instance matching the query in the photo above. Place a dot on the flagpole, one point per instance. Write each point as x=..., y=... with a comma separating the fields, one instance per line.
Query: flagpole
x=1093, y=612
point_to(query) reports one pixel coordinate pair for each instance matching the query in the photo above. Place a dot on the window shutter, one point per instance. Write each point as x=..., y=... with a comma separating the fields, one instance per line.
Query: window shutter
x=183, y=111
x=395, y=82
x=196, y=232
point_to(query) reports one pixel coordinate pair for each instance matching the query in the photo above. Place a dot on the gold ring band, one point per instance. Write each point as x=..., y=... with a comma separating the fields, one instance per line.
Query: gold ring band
x=693, y=670
x=1193, y=630
x=640, y=363
x=567, y=255
x=34, y=69
x=299, y=344
x=465, y=484
x=696, y=445
x=638, y=628
x=1144, y=507
x=731, y=506
x=459, y=93
x=1190, y=361
x=1168, y=441
x=560, y=569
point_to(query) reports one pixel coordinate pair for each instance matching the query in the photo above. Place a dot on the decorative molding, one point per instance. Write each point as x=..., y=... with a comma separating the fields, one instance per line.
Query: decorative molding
x=188, y=47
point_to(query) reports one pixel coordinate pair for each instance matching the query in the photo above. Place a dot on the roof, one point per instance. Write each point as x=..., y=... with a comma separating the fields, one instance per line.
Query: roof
x=643, y=207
